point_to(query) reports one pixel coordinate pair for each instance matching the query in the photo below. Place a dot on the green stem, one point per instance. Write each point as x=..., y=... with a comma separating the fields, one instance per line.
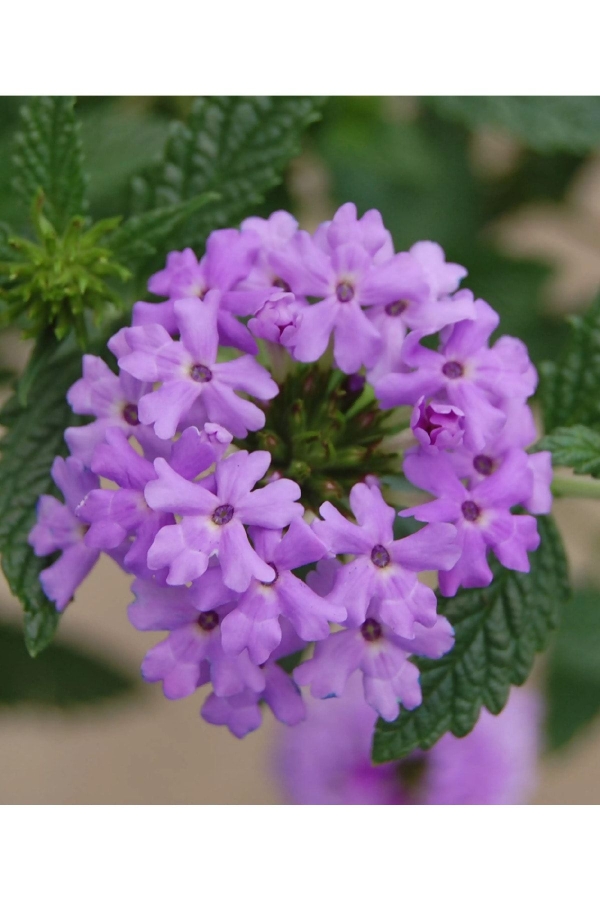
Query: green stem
x=576, y=487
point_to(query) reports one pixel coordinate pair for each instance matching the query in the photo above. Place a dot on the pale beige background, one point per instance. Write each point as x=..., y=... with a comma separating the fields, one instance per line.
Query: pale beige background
x=149, y=750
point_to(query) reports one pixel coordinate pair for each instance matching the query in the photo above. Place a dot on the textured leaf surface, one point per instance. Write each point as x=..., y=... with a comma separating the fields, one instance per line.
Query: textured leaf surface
x=544, y=123
x=576, y=446
x=570, y=387
x=573, y=682
x=136, y=240
x=498, y=630
x=34, y=438
x=63, y=676
x=236, y=146
x=49, y=156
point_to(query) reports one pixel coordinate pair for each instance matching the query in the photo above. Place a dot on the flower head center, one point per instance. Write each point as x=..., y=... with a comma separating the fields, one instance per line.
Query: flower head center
x=483, y=464
x=453, y=369
x=282, y=285
x=396, y=308
x=379, y=556
x=208, y=620
x=223, y=514
x=344, y=292
x=200, y=373
x=470, y=511
x=130, y=414
x=371, y=630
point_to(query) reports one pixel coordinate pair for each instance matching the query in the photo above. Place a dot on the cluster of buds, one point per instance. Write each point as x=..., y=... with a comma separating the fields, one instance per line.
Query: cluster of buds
x=276, y=370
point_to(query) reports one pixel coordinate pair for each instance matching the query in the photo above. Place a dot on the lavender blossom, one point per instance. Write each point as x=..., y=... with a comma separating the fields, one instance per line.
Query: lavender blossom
x=58, y=528
x=213, y=522
x=465, y=373
x=481, y=515
x=228, y=260
x=389, y=678
x=190, y=376
x=255, y=622
x=384, y=570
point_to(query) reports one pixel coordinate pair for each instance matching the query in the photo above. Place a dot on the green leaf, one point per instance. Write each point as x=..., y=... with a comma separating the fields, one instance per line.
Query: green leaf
x=33, y=439
x=498, y=631
x=573, y=684
x=545, y=123
x=577, y=447
x=570, y=387
x=63, y=676
x=136, y=240
x=236, y=146
x=49, y=157
x=119, y=138
x=44, y=351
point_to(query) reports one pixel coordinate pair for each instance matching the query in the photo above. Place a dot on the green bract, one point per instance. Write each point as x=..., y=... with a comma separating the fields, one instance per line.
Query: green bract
x=55, y=283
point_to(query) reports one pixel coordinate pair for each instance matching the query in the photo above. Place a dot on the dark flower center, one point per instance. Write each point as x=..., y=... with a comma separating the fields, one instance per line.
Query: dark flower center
x=223, y=514
x=282, y=285
x=201, y=373
x=130, y=414
x=208, y=620
x=396, y=308
x=470, y=511
x=452, y=369
x=380, y=557
x=344, y=292
x=483, y=464
x=370, y=630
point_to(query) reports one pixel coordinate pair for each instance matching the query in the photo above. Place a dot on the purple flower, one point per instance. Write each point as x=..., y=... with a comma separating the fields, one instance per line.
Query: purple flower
x=326, y=760
x=482, y=515
x=465, y=373
x=437, y=426
x=255, y=622
x=192, y=655
x=381, y=655
x=346, y=228
x=384, y=571
x=58, y=528
x=228, y=260
x=241, y=712
x=279, y=319
x=417, y=308
x=114, y=515
x=274, y=235
x=519, y=431
x=113, y=400
x=348, y=277
x=442, y=277
x=190, y=375
x=214, y=522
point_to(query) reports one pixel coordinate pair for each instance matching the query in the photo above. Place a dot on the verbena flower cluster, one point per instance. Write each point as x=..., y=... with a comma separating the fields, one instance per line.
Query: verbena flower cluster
x=279, y=367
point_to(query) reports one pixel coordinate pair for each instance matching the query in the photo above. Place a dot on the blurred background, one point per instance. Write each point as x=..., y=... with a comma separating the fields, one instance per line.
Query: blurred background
x=77, y=725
